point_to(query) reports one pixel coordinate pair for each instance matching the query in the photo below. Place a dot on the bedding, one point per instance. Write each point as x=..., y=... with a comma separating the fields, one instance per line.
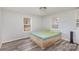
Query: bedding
x=45, y=39
x=45, y=34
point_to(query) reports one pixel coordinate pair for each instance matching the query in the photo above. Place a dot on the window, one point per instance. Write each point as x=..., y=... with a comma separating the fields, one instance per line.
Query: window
x=55, y=24
x=27, y=25
x=77, y=18
x=77, y=23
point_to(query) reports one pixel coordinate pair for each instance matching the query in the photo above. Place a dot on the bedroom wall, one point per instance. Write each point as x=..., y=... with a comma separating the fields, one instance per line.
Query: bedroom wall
x=0, y=26
x=13, y=25
x=13, y=28
x=66, y=23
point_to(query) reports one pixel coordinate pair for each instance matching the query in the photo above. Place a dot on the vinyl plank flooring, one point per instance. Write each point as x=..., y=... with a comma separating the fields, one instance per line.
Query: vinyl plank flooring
x=27, y=45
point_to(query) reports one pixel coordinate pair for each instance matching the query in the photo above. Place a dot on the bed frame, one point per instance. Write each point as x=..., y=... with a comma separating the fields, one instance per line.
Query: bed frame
x=45, y=43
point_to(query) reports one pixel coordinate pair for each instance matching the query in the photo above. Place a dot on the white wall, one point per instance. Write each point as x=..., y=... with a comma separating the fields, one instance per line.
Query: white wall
x=37, y=23
x=66, y=22
x=0, y=26
x=77, y=29
x=13, y=27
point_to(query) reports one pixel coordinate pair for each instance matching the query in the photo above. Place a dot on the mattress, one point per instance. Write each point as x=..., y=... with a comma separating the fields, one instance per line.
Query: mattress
x=45, y=34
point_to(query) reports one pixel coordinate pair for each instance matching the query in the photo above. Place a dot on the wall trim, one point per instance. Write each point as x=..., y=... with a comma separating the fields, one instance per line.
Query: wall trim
x=14, y=39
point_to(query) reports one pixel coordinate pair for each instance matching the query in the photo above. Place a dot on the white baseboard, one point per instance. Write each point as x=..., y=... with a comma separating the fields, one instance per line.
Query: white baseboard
x=5, y=41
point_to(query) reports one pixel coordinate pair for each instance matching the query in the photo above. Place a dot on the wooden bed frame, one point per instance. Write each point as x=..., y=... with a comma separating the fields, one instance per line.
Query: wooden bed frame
x=45, y=43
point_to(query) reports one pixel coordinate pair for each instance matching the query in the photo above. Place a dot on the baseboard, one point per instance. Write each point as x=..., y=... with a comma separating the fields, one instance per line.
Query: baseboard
x=65, y=39
x=14, y=39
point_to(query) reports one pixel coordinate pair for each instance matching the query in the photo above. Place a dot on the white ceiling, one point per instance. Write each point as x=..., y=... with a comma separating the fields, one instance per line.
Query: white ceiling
x=35, y=10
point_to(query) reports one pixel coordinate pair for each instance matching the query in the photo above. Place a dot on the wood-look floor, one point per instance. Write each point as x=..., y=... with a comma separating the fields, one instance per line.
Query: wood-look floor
x=28, y=45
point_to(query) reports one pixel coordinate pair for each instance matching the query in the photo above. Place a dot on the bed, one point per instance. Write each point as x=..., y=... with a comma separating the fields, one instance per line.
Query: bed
x=45, y=39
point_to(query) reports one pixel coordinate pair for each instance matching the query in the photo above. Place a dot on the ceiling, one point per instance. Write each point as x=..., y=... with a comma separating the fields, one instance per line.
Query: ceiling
x=35, y=10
